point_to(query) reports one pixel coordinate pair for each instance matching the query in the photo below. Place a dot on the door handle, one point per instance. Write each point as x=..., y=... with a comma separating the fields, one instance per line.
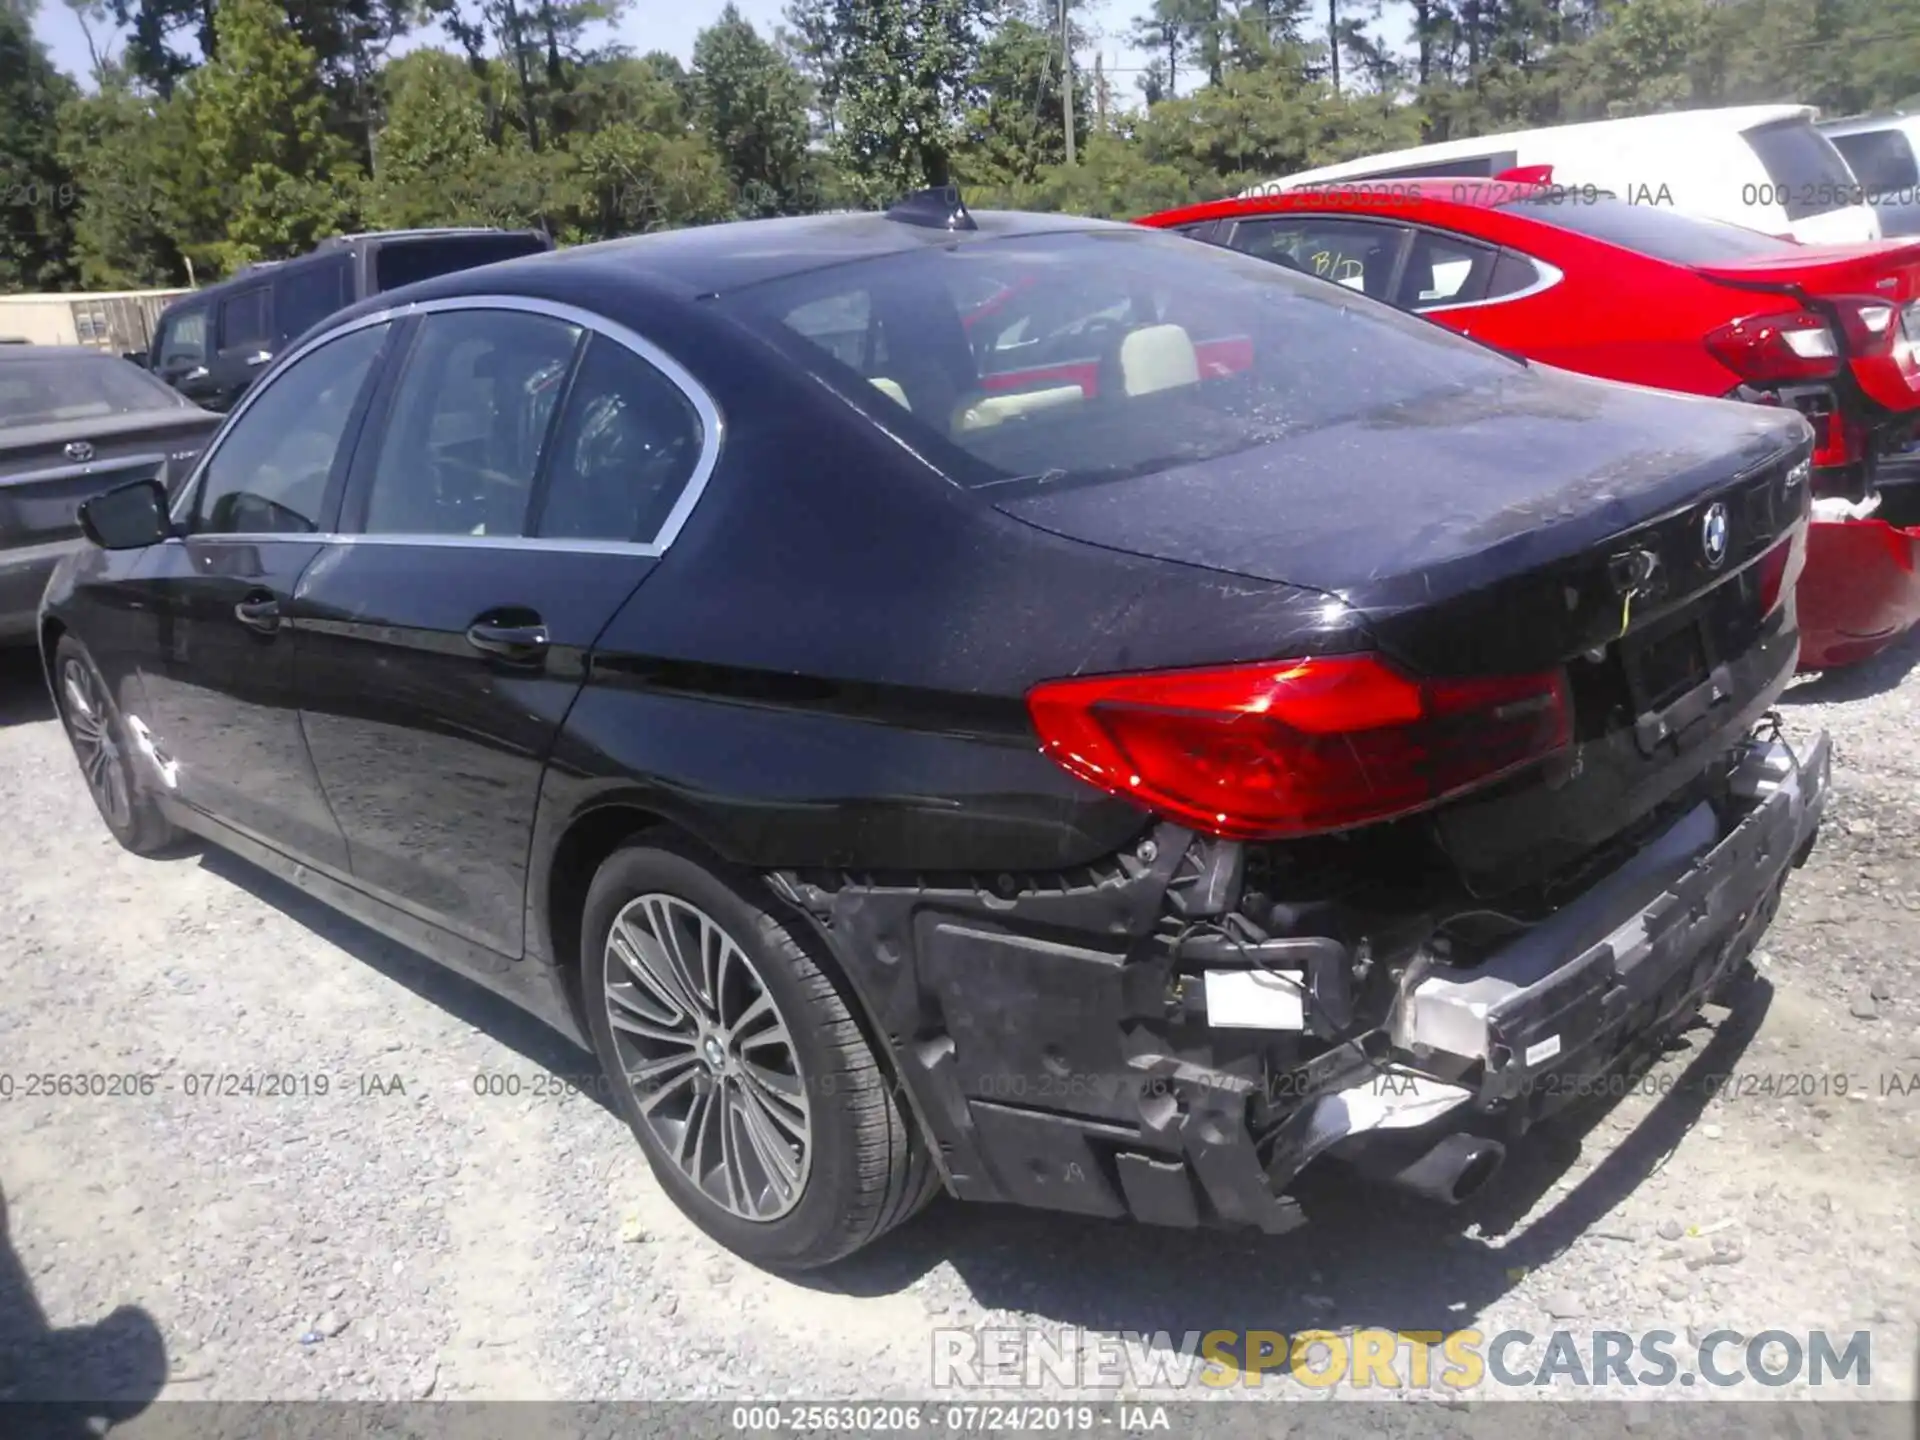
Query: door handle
x=522, y=644
x=259, y=612
x=198, y=372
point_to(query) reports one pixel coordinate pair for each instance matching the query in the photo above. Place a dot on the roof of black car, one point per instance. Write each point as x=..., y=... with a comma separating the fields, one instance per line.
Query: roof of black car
x=712, y=259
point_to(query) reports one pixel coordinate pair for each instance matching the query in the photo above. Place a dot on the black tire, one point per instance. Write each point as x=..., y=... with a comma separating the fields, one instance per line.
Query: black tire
x=112, y=775
x=868, y=1170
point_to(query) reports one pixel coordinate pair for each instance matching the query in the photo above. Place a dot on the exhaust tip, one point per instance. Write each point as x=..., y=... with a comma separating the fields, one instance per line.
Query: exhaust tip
x=1478, y=1170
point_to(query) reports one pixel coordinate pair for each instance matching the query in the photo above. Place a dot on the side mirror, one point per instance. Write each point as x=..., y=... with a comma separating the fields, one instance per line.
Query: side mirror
x=127, y=517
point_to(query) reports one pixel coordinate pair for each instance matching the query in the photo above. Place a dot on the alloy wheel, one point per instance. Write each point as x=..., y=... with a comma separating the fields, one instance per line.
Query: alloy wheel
x=710, y=1058
x=101, y=759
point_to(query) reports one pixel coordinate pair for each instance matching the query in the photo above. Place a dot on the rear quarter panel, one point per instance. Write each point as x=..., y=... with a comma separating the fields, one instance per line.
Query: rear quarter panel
x=829, y=666
x=1615, y=314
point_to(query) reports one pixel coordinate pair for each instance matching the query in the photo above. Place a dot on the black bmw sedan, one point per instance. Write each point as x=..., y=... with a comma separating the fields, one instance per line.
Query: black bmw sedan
x=1003, y=703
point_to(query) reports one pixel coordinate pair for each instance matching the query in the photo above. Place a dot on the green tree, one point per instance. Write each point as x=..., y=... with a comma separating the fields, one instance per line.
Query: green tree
x=139, y=173
x=38, y=195
x=899, y=74
x=632, y=180
x=752, y=104
x=1016, y=125
x=283, y=177
x=435, y=164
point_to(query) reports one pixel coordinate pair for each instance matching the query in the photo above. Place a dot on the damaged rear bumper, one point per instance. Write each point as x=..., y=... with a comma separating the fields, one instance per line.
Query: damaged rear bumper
x=1057, y=1054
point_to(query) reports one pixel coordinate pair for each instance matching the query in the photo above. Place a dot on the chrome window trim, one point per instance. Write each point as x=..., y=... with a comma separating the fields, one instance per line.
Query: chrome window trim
x=712, y=433
x=1547, y=275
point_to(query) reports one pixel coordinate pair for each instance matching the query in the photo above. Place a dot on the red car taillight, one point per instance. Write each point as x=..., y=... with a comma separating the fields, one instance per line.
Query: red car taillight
x=1296, y=747
x=1871, y=325
x=1777, y=348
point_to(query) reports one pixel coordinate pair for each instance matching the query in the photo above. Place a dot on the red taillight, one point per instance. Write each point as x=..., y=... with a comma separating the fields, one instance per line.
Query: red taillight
x=1296, y=747
x=1773, y=348
x=1871, y=326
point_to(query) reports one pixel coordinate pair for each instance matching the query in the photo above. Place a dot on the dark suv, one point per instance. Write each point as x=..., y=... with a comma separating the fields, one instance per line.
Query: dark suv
x=210, y=345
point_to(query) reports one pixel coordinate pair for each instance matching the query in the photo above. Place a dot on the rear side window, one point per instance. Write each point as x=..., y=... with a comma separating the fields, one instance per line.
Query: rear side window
x=1512, y=273
x=627, y=445
x=402, y=262
x=1882, y=161
x=183, y=340
x=1113, y=353
x=1809, y=176
x=467, y=424
x=246, y=318
x=1445, y=270
x=305, y=296
x=1655, y=230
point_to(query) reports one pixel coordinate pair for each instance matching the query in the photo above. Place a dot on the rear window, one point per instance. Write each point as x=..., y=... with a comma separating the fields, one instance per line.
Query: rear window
x=1652, y=230
x=1809, y=176
x=1103, y=354
x=45, y=392
x=401, y=262
x=1882, y=161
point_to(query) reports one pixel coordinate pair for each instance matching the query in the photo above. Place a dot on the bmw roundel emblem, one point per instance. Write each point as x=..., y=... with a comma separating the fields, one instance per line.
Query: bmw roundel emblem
x=1715, y=531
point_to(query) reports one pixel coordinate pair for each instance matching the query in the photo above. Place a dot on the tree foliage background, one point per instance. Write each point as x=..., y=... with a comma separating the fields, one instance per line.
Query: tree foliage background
x=226, y=131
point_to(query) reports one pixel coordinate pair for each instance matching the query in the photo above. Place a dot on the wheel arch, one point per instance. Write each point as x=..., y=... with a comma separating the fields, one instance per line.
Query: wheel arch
x=595, y=834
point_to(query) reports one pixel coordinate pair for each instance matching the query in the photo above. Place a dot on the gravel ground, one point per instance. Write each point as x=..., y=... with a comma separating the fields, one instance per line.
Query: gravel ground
x=403, y=1236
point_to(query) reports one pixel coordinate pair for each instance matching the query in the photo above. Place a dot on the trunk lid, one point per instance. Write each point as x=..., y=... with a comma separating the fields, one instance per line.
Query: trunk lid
x=47, y=470
x=1887, y=268
x=1515, y=490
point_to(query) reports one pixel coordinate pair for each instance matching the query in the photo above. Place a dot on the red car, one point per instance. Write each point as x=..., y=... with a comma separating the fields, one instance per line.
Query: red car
x=1583, y=280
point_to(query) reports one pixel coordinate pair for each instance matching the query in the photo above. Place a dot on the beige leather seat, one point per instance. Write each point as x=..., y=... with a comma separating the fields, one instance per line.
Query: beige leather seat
x=891, y=389
x=982, y=412
x=1158, y=357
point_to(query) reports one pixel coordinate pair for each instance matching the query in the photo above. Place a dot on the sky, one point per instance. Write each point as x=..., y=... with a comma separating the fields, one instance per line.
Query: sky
x=673, y=27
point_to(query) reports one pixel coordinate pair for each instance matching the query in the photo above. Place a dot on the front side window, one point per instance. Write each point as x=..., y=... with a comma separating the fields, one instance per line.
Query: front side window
x=626, y=446
x=1115, y=352
x=245, y=318
x=1358, y=254
x=269, y=473
x=468, y=424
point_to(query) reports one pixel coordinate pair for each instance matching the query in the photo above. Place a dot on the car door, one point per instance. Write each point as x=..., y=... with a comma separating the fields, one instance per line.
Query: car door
x=182, y=350
x=514, y=487
x=219, y=682
x=245, y=348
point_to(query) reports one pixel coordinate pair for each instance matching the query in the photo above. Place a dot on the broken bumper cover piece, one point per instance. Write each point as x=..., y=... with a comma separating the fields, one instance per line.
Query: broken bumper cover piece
x=1644, y=944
